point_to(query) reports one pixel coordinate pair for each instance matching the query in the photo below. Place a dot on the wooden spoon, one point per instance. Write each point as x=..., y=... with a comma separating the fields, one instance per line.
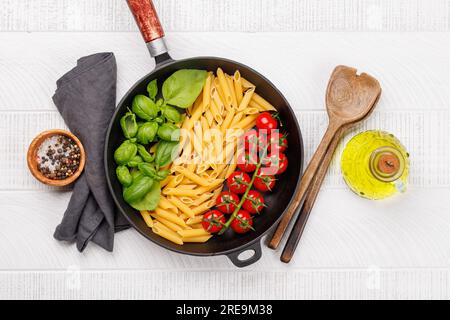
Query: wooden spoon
x=349, y=99
x=310, y=199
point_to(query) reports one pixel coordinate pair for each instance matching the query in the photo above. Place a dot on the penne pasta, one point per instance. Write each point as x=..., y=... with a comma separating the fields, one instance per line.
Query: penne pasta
x=237, y=82
x=234, y=103
x=199, y=239
x=193, y=233
x=166, y=233
x=148, y=220
x=225, y=89
x=194, y=220
x=206, y=93
x=182, y=206
x=246, y=99
x=263, y=102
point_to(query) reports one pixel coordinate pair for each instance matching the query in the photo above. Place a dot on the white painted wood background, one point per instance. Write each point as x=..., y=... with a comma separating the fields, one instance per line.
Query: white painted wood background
x=352, y=248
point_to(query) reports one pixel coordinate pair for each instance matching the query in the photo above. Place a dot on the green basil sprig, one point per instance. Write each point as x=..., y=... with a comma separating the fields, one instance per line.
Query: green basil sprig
x=152, y=89
x=183, y=87
x=124, y=176
x=126, y=151
x=166, y=152
x=171, y=114
x=144, y=107
x=169, y=132
x=129, y=125
x=150, y=200
x=145, y=155
x=138, y=189
x=147, y=132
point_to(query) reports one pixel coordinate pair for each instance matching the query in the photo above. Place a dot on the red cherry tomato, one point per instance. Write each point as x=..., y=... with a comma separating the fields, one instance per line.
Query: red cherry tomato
x=255, y=140
x=227, y=201
x=238, y=182
x=266, y=121
x=243, y=222
x=264, y=182
x=247, y=161
x=278, y=142
x=275, y=164
x=254, y=202
x=213, y=221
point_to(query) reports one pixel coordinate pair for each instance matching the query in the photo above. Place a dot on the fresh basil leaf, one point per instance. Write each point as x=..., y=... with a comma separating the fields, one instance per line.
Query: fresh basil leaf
x=144, y=107
x=166, y=152
x=169, y=132
x=183, y=87
x=147, y=132
x=125, y=152
x=124, y=176
x=152, y=89
x=138, y=189
x=150, y=200
x=129, y=125
x=145, y=155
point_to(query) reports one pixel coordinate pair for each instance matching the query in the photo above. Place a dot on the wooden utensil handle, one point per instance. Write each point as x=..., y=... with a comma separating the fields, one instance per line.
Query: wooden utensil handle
x=144, y=13
x=310, y=199
x=307, y=178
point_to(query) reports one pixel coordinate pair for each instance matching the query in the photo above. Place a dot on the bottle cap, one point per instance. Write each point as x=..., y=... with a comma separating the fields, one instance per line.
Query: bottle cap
x=387, y=164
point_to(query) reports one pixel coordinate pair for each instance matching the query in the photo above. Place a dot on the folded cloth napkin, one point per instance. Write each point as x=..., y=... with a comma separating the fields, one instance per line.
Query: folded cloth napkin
x=86, y=99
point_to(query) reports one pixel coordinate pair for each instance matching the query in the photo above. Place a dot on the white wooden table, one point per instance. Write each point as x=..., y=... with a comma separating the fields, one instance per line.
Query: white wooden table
x=351, y=248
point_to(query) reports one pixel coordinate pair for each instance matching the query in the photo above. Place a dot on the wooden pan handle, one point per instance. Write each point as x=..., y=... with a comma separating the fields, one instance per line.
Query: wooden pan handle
x=144, y=13
x=307, y=178
x=310, y=199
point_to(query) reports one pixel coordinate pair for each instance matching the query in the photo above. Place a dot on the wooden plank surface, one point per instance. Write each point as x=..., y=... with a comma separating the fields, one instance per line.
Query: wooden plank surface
x=230, y=15
x=369, y=283
x=299, y=64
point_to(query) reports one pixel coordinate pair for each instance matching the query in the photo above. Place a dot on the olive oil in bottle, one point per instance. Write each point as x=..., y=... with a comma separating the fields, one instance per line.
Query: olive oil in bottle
x=375, y=165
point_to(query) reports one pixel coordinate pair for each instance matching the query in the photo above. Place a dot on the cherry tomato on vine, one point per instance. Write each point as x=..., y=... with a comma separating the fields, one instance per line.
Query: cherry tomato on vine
x=264, y=182
x=266, y=121
x=278, y=142
x=213, y=221
x=254, y=140
x=238, y=182
x=275, y=164
x=254, y=202
x=227, y=201
x=247, y=161
x=243, y=222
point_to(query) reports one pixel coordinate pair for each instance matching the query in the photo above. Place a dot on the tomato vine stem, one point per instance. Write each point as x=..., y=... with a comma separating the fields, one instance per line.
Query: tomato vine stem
x=249, y=187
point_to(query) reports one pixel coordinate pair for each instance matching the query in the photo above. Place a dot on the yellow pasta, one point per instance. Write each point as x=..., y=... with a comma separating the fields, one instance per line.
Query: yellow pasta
x=166, y=233
x=263, y=102
x=194, y=220
x=193, y=233
x=206, y=95
x=182, y=206
x=169, y=224
x=246, y=99
x=224, y=85
x=200, y=239
x=148, y=220
x=172, y=217
x=237, y=82
x=245, y=122
x=234, y=102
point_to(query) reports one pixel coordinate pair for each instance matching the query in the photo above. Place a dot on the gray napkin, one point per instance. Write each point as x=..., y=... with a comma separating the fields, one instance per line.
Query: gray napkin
x=86, y=99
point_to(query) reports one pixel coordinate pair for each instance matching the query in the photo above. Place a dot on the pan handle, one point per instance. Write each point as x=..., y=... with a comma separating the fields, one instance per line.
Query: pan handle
x=147, y=20
x=257, y=253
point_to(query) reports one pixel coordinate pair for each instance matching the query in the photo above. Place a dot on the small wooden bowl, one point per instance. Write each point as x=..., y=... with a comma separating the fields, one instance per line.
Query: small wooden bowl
x=32, y=159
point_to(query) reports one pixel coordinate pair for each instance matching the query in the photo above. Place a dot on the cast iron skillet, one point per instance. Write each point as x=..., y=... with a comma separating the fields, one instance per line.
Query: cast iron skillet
x=229, y=244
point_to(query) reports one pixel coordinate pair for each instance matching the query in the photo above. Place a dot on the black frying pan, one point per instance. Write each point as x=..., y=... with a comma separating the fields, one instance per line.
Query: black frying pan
x=229, y=244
